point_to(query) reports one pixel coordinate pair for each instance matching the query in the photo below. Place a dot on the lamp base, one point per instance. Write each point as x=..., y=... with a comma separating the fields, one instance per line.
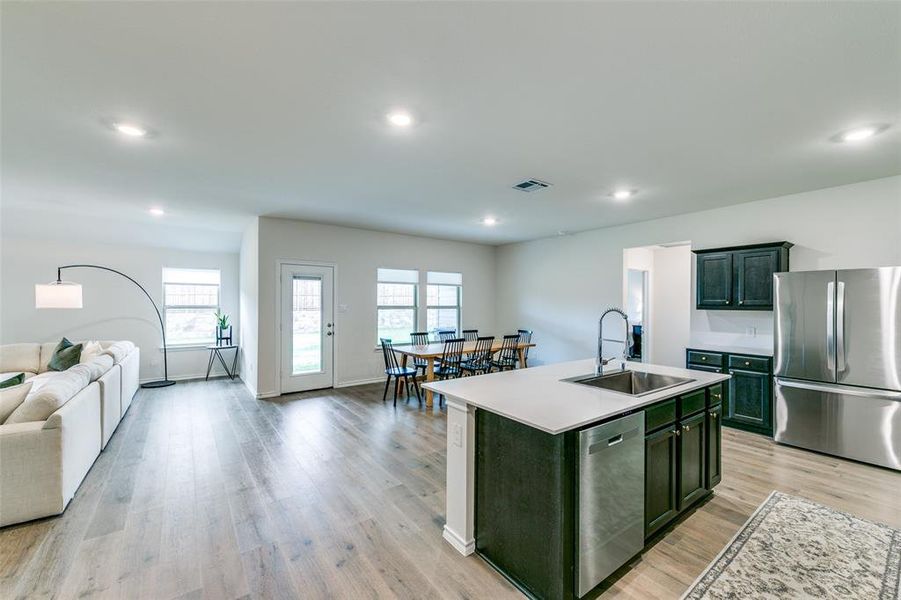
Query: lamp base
x=158, y=384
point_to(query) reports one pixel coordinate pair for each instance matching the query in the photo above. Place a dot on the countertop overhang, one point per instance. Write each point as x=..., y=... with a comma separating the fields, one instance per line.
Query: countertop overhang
x=538, y=398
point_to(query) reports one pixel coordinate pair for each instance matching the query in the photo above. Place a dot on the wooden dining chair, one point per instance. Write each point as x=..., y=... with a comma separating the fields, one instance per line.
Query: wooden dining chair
x=525, y=337
x=393, y=369
x=506, y=357
x=480, y=359
x=449, y=366
x=420, y=338
x=446, y=334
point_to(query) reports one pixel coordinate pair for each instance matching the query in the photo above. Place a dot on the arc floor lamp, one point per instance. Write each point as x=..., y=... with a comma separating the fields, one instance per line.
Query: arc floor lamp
x=67, y=294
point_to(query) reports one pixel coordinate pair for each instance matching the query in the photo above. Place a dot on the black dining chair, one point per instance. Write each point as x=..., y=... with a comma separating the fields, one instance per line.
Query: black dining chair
x=480, y=359
x=449, y=366
x=470, y=335
x=420, y=338
x=446, y=334
x=393, y=369
x=506, y=357
x=525, y=337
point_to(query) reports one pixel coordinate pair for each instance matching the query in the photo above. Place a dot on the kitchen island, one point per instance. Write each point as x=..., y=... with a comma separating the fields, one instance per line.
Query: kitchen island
x=554, y=482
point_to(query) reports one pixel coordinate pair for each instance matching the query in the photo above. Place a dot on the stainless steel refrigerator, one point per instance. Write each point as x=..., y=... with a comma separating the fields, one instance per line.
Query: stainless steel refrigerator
x=838, y=363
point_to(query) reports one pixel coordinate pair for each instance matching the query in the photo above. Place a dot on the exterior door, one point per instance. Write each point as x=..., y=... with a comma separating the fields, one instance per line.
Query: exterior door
x=307, y=327
x=805, y=325
x=868, y=327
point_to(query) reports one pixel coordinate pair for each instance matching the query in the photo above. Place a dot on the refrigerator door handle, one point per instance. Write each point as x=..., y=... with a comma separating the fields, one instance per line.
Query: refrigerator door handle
x=840, y=327
x=831, y=388
x=830, y=327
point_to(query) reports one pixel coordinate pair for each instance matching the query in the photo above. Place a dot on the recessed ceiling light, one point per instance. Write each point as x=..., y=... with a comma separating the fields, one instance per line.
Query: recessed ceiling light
x=859, y=134
x=489, y=221
x=623, y=194
x=156, y=211
x=130, y=129
x=400, y=119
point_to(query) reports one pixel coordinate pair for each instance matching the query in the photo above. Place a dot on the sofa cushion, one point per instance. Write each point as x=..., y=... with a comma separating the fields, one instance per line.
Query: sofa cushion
x=99, y=365
x=119, y=350
x=10, y=381
x=11, y=398
x=20, y=358
x=4, y=376
x=90, y=350
x=64, y=356
x=49, y=392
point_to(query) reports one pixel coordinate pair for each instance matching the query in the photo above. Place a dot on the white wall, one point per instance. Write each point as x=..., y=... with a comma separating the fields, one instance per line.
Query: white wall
x=358, y=253
x=670, y=323
x=113, y=307
x=558, y=286
x=249, y=267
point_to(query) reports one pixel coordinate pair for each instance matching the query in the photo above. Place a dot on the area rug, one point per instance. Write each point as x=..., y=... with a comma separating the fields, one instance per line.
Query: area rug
x=795, y=548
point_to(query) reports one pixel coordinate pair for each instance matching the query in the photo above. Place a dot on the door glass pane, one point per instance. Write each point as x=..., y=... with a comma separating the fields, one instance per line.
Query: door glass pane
x=307, y=325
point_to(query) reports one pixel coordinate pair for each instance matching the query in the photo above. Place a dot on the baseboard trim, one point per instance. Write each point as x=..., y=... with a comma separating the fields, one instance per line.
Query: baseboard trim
x=186, y=377
x=463, y=547
x=267, y=395
x=354, y=382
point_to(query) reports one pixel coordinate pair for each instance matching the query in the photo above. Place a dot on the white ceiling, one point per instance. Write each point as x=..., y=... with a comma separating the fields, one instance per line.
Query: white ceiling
x=279, y=109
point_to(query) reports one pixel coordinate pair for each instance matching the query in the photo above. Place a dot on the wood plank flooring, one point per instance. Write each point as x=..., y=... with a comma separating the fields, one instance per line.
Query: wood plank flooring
x=206, y=492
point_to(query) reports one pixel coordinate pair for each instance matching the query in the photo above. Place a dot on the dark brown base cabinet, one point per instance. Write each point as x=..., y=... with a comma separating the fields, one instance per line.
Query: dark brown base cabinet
x=527, y=490
x=749, y=400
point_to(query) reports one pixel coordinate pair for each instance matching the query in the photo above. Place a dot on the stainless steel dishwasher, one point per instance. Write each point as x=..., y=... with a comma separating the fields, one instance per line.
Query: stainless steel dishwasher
x=611, y=498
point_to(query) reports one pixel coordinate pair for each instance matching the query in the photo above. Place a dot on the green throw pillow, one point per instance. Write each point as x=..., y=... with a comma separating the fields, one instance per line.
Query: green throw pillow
x=64, y=356
x=14, y=380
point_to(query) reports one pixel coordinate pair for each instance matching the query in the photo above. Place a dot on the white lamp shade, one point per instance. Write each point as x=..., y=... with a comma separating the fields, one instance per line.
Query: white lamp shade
x=59, y=294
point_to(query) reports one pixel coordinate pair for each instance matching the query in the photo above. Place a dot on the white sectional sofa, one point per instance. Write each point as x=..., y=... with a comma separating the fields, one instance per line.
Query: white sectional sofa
x=49, y=441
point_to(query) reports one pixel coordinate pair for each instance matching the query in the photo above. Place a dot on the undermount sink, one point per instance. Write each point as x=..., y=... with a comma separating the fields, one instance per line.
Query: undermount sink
x=632, y=383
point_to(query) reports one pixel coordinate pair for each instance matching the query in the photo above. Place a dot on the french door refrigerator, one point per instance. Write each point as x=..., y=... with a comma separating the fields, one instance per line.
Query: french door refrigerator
x=838, y=363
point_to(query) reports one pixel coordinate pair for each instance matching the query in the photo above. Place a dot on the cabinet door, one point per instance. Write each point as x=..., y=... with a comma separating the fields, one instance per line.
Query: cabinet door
x=660, y=494
x=714, y=280
x=750, y=400
x=754, y=278
x=692, y=459
x=714, y=444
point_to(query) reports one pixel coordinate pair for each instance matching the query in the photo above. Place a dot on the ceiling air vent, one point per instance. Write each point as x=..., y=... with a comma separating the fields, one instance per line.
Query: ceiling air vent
x=531, y=185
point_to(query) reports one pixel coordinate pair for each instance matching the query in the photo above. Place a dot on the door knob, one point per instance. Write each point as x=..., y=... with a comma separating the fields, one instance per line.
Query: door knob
x=329, y=333
x=328, y=324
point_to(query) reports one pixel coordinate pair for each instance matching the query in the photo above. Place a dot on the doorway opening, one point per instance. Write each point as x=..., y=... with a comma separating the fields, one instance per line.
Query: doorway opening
x=307, y=327
x=657, y=299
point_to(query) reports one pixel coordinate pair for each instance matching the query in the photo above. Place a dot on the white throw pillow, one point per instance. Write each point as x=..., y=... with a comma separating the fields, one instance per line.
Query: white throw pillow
x=89, y=351
x=11, y=398
x=56, y=390
x=99, y=365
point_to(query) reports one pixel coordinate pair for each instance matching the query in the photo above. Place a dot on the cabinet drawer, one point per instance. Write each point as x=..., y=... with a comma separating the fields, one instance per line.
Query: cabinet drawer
x=699, y=357
x=692, y=402
x=749, y=363
x=659, y=415
x=715, y=395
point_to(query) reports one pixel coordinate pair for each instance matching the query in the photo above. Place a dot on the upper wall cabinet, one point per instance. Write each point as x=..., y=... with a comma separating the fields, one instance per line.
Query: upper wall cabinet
x=739, y=277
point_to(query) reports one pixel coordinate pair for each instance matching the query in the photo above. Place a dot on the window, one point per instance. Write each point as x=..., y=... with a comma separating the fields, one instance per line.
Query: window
x=397, y=307
x=191, y=296
x=443, y=296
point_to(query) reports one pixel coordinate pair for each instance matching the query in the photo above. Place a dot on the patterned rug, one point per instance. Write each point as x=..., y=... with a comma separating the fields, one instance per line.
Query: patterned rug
x=795, y=548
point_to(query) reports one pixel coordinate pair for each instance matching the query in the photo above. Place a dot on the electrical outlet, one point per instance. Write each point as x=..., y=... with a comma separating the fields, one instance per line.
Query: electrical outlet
x=458, y=436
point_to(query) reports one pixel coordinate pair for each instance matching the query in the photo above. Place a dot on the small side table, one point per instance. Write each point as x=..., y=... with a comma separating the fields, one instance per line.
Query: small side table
x=216, y=352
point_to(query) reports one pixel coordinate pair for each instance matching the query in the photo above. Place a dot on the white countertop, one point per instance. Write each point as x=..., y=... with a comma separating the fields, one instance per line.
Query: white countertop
x=536, y=396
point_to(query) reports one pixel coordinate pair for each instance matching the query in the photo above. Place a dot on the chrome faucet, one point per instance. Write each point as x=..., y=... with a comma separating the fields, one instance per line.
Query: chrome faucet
x=601, y=362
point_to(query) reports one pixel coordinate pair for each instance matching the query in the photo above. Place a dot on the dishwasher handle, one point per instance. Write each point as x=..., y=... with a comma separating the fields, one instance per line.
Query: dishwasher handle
x=612, y=441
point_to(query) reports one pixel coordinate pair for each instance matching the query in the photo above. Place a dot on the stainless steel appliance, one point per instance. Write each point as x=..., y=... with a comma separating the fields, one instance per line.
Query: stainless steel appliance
x=838, y=363
x=611, y=498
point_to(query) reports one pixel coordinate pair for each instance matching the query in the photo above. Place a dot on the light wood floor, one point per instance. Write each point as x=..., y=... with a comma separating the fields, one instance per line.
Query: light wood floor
x=205, y=492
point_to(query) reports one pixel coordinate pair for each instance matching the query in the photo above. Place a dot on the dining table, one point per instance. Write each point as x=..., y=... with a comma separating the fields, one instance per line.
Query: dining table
x=434, y=350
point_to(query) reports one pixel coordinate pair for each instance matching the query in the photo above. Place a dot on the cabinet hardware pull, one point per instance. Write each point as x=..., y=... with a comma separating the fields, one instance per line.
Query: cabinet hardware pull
x=703, y=358
x=747, y=363
x=677, y=432
x=713, y=415
x=686, y=428
x=741, y=301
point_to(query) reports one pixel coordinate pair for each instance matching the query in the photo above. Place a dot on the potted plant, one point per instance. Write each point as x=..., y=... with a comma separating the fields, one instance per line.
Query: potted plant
x=222, y=323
